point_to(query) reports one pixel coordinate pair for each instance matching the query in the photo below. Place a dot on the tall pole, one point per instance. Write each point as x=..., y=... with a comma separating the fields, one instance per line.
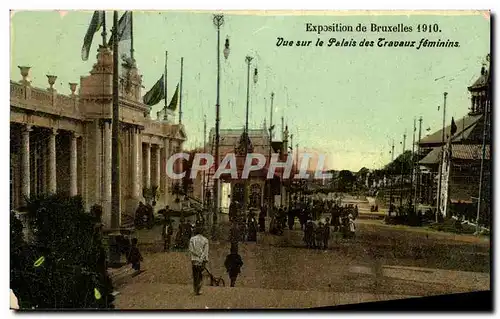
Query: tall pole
x=115, y=156
x=132, y=36
x=165, y=116
x=272, y=111
x=297, y=161
x=391, y=196
x=269, y=194
x=204, y=151
x=103, y=34
x=412, y=160
x=438, y=204
x=248, y=60
x=417, y=167
x=291, y=153
x=180, y=93
x=485, y=133
x=218, y=22
x=282, y=128
x=402, y=172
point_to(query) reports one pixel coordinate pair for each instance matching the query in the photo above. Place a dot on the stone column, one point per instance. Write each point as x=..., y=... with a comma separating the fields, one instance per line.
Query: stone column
x=52, y=162
x=73, y=165
x=135, y=164
x=25, y=159
x=158, y=166
x=106, y=172
x=147, y=166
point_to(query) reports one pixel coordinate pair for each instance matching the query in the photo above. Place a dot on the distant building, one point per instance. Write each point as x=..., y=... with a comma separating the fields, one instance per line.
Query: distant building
x=233, y=141
x=467, y=151
x=61, y=143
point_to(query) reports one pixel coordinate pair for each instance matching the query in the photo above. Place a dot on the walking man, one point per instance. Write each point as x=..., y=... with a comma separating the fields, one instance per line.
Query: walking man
x=167, y=232
x=198, y=249
x=233, y=264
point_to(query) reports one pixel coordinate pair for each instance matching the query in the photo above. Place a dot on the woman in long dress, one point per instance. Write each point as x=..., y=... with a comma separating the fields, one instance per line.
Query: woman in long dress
x=352, y=226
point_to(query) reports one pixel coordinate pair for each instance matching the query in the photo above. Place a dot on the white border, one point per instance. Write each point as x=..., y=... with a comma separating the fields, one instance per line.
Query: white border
x=189, y=4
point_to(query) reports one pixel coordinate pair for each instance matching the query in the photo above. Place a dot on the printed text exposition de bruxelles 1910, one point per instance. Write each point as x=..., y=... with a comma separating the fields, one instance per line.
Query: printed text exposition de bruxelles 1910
x=372, y=27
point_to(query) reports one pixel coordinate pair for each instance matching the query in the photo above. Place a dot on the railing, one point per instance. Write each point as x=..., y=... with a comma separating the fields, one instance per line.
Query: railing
x=41, y=96
x=43, y=100
x=17, y=91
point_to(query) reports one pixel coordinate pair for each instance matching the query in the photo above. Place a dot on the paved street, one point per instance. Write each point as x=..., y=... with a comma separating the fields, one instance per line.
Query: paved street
x=382, y=263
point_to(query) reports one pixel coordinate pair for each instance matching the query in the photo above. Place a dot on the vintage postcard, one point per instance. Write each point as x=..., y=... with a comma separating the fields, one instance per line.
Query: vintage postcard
x=250, y=160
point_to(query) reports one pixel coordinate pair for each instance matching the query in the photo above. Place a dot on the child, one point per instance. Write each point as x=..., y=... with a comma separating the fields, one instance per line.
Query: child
x=134, y=256
x=233, y=264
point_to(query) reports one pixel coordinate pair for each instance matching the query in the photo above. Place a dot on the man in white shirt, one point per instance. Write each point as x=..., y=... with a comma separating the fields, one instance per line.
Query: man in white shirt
x=198, y=249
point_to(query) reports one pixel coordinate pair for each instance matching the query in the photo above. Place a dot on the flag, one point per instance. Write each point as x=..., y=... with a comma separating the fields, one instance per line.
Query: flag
x=124, y=28
x=173, y=103
x=95, y=24
x=453, y=128
x=124, y=35
x=156, y=93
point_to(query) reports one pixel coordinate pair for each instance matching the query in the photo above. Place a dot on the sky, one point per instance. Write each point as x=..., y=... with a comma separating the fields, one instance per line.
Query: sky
x=349, y=103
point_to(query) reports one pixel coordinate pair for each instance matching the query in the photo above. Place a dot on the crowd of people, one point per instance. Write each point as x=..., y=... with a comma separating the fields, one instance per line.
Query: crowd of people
x=245, y=228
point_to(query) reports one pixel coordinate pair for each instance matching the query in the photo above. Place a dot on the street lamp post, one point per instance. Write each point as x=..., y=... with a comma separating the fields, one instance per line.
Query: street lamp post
x=271, y=128
x=218, y=21
x=248, y=60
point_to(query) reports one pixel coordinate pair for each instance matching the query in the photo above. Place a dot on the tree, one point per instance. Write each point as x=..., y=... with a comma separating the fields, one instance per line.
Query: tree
x=346, y=180
x=65, y=265
x=404, y=162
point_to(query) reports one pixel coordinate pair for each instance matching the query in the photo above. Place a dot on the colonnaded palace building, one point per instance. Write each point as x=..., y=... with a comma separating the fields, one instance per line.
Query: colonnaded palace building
x=61, y=143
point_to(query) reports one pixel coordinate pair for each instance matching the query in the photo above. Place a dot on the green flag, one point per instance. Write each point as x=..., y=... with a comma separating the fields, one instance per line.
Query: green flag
x=175, y=99
x=156, y=94
x=95, y=24
x=124, y=28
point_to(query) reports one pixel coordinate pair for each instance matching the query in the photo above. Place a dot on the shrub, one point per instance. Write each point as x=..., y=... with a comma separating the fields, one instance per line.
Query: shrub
x=65, y=265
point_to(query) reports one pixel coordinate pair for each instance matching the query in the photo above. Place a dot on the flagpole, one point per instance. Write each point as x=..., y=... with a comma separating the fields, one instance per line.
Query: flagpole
x=104, y=40
x=204, y=152
x=115, y=159
x=132, y=36
x=392, y=182
x=180, y=93
x=438, y=204
x=417, y=168
x=402, y=173
x=165, y=117
x=412, y=160
x=269, y=199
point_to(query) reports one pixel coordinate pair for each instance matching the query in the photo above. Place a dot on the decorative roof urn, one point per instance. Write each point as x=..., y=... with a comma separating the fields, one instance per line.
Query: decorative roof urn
x=52, y=80
x=72, y=87
x=25, y=70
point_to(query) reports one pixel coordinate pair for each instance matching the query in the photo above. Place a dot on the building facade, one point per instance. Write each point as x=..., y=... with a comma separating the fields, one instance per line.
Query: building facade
x=62, y=144
x=470, y=152
x=232, y=190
